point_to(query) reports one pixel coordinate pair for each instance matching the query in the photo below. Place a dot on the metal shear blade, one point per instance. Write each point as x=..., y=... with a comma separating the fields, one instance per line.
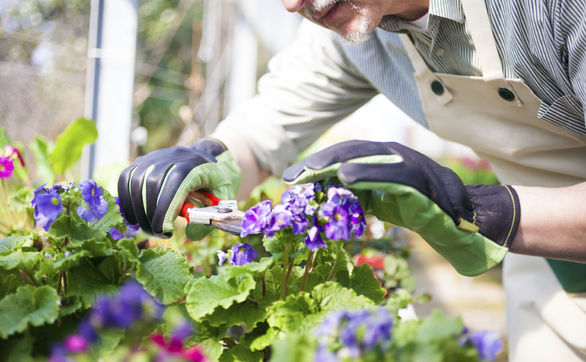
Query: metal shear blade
x=224, y=216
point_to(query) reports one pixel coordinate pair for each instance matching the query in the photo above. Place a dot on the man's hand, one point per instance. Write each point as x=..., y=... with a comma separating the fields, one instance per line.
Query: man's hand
x=154, y=187
x=471, y=226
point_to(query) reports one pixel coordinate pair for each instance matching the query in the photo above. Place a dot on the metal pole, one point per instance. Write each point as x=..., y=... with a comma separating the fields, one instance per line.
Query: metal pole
x=110, y=81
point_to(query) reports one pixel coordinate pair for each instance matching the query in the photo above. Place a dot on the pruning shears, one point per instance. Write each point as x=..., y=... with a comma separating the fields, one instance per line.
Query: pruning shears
x=221, y=214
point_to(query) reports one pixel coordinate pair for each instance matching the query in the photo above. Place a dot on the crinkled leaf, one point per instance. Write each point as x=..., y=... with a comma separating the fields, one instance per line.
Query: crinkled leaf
x=40, y=149
x=265, y=340
x=110, y=268
x=19, y=259
x=240, y=353
x=332, y=296
x=61, y=262
x=254, y=267
x=112, y=216
x=15, y=242
x=206, y=294
x=129, y=248
x=212, y=348
x=163, y=273
x=288, y=315
x=87, y=282
x=70, y=144
x=9, y=281
x=248, y=314
x=273, y=281
x=76, y=232
x=29, y=305
x=70, y=306
x=363, y=282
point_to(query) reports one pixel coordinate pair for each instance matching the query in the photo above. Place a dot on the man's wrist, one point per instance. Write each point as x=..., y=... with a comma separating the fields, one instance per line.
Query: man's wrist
x=497, y=212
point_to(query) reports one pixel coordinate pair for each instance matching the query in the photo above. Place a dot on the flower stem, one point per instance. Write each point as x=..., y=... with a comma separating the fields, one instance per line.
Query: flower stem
x=331, y=274
x=24, y=277
x=288, y=276
x=308, y=267
x=264, y=284
x=32, y=279
x=285, y=263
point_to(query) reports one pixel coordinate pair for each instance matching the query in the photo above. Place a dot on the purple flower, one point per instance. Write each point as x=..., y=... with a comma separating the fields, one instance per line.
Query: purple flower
x=323, y=354
x=343, y=214
x=115, y=234
x=58, y=353
x=221, y=257
x=241, y=254
x=131, y=305
x=313, y=240
x=47, y=205
x=256, y=218
x=97, y=206
x=6, y=167
x=487, y=343
x=75, y=343
x=358, y=331
x=87, y=331
x=278, y=219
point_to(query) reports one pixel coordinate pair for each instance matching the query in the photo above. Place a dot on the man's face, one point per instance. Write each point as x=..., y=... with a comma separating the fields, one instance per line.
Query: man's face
x=352, y=19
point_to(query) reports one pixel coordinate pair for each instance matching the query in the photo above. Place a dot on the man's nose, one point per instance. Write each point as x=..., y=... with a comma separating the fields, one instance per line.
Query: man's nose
x=294, y=5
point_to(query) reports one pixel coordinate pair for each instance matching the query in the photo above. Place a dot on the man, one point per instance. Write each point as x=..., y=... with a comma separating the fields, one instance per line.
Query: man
x=507, y=78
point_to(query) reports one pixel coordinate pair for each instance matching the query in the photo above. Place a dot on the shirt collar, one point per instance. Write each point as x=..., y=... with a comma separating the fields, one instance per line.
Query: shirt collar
x=448, y=9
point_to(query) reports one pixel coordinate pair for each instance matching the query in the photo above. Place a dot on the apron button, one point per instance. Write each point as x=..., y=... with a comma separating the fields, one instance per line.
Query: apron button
x=506, y=94
x=438, y=88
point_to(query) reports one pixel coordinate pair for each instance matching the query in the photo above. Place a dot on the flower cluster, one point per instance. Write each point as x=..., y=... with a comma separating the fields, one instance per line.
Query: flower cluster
x=132, y=305
x=487, y=343
x=92, y=195
x=173, y=347
x=10, y=155
x=239, y=254
x=350, y=334
x=337, y=218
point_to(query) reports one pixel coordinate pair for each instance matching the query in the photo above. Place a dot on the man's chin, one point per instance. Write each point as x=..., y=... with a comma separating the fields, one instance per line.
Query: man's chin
x=358, y=33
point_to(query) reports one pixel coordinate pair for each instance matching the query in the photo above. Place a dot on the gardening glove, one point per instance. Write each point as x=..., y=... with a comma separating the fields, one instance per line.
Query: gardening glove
x=471, y=226
x=154, y=187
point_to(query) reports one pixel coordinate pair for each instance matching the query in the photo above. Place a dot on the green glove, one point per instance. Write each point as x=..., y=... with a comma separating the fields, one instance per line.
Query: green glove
x=471, y=226
x=154, y=187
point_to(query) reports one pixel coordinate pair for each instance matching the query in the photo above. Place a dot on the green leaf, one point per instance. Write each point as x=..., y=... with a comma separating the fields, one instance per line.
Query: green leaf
x=438, y=326
x=398, y=300
x=29, y=305
x=288, y=315
x=19, y=259
x=248, y=314
x=240, y=353
x=254, y=267
x=206, y=294
x=15, y=242
x=87, y=282
x=265, y=340
x=294, y=348
x=61, y=262
x=164, y=273
x=40, y=150
x=331, y=296
x=70, y=144
x=9, y=281
x=212, y=348
x=129, y=248
x=111, y=218
x=363, y=282
x=77, y=232
x=17, y=348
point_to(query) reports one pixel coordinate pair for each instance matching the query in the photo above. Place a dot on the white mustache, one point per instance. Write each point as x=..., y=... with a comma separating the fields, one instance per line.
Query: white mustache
x=319, y=5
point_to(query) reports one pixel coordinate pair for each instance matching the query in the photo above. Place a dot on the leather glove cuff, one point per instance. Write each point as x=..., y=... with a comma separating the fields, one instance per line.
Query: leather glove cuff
x=497, y=212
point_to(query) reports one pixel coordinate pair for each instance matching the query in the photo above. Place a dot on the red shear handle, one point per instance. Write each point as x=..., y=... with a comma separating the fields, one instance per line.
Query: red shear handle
x=198, y=197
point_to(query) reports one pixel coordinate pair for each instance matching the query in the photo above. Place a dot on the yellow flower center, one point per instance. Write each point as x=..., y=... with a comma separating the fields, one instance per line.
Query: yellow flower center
x=55, y=201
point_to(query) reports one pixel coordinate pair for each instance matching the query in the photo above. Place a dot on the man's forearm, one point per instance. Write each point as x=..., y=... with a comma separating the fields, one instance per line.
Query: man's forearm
x=553, y=222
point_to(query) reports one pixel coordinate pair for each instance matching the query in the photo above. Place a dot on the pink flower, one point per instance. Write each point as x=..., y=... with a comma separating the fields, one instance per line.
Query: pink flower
x=13, y=153
x=6, y=167
x=174, y=347
x=75, y=343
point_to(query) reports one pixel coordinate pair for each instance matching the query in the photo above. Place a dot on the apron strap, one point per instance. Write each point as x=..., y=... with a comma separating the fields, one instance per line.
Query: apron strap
x=421, y=70
x=481, y=33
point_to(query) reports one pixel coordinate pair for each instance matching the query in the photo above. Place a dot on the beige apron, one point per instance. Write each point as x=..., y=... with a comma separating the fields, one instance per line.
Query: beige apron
x=497, y=117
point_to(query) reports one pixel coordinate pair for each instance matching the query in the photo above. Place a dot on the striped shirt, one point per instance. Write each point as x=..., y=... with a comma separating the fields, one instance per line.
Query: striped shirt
x=321, y=78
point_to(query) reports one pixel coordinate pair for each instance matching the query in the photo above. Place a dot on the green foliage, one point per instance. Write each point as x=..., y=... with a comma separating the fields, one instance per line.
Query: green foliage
x=164, y=274
x=28, y=306
x=70, y=144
